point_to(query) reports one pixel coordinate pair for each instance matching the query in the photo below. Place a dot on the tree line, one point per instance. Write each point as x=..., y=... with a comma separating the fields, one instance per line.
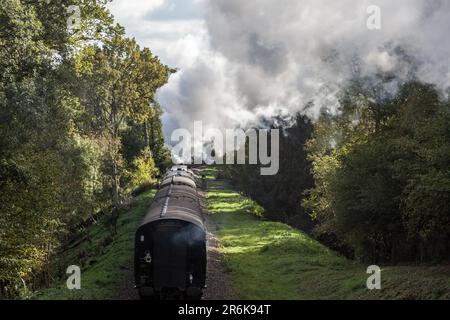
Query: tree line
x=79, y=128
x=371, y=179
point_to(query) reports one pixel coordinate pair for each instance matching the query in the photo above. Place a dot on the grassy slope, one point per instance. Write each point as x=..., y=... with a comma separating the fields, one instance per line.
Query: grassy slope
x=269, y=260
x=102, y=265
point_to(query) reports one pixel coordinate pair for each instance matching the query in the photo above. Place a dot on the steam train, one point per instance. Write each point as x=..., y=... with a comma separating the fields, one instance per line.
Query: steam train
x=170, y=243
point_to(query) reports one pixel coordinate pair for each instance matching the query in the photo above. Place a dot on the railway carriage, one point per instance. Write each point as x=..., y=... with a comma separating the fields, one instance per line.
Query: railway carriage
x=170, y=243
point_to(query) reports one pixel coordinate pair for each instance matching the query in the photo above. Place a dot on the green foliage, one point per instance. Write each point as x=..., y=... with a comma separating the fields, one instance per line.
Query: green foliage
x=380, y=167
x=35, y=144
x=138, y=136
x=116, y=84
x=382, y=186
x=281, y=194
x=144, y=170
x=61, y=157
x=102, y=263
x=270, y=260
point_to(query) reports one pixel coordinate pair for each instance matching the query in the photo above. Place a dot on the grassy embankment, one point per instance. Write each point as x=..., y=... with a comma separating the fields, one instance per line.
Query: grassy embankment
x=269, y=260
x=102, y=259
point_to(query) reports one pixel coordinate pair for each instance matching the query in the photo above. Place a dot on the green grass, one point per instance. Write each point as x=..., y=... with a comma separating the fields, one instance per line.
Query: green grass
x=269, y=260
x=102, y=263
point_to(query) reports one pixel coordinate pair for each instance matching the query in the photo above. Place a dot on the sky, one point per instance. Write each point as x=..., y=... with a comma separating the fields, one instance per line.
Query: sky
x=175, y=31
x=242, y=61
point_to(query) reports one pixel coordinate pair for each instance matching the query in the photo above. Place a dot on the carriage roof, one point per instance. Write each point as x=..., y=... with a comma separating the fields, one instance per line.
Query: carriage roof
x=175, y=202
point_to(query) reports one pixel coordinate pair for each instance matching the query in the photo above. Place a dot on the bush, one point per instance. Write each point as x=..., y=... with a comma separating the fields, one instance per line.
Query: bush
x=143, y=171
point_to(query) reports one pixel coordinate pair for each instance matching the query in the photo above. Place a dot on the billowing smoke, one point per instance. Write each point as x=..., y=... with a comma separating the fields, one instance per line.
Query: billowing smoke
x=266, y=57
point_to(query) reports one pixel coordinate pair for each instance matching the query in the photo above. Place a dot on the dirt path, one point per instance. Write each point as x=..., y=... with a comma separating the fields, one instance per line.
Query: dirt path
x=126, y=289
x=218, y=281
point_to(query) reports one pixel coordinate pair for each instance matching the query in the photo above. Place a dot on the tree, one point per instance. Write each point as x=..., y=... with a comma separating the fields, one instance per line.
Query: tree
x=117, y=84
x=136, y=136
x=143, y=170
x=280, y=195
x=48, y=174
x=35, y=145
x=382, y=182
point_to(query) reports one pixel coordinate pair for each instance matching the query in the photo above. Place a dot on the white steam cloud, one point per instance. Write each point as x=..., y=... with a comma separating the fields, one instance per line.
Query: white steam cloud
x=262, y=57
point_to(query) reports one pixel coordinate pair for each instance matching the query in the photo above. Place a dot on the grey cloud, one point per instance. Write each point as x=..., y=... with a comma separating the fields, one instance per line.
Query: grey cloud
x=268, y=55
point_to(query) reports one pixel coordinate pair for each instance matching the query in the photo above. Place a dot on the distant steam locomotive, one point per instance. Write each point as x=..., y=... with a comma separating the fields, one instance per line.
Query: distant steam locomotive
x=170, y=243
